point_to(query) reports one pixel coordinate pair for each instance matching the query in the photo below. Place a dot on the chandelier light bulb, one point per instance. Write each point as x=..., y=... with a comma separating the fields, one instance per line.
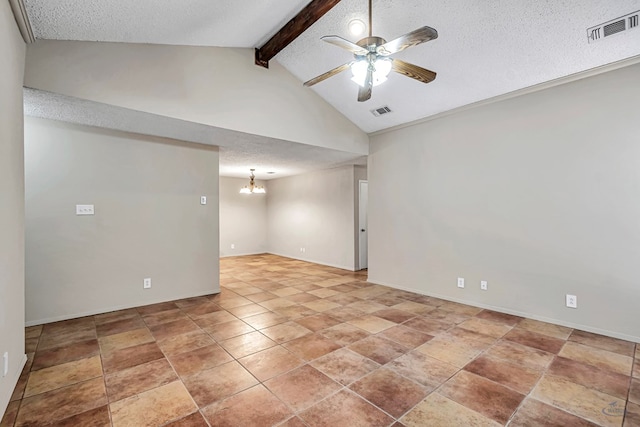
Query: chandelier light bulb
x=252, y=187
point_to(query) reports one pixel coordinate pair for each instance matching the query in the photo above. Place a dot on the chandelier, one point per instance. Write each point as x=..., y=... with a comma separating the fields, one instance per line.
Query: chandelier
x=252, y=187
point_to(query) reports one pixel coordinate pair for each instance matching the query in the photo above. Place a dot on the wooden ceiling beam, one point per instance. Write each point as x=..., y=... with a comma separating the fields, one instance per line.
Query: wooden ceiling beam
x=298, y=25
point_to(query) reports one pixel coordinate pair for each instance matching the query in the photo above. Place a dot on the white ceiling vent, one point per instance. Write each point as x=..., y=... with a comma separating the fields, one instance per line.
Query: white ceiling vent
x=381, y=111
x=618, y=25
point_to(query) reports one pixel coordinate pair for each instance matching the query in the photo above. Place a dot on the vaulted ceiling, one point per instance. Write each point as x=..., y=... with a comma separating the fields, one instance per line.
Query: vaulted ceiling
x=484, y=49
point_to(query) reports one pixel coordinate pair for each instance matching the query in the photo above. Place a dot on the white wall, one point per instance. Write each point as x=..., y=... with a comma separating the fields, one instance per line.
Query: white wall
x=538, y=194
x=314, y=211
x=148, y=220
x=12, y=52
x=243, y=218
x=216, y=86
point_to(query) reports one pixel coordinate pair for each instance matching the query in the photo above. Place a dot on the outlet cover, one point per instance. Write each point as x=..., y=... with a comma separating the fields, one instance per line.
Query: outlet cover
x=146, y=284
x=484, y=285
x=5, y=363
x=85, y=210
x=203, y=200
x=572, y=301
x=461, y=282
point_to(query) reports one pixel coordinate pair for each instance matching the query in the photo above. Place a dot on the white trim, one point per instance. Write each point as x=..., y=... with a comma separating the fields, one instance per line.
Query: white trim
x=110, y=309
x=524, y=91
x=357, y=263
x=527, y=315
x=341, y=267
x=22, y=19
x=15, y=377
x=243, y=254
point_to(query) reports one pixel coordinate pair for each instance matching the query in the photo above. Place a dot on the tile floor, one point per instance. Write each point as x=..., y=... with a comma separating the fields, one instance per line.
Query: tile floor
x=297, y=344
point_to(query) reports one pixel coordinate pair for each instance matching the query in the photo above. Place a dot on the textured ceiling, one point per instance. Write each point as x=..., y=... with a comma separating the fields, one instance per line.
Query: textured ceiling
x=223, y=23
x=238, y=151
x=484, y=49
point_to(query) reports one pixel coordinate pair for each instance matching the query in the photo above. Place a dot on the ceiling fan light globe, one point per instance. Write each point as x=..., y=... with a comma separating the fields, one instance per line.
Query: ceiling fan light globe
x=382, y=68
x=245, y=190
x=359, y=71
x=379, y=80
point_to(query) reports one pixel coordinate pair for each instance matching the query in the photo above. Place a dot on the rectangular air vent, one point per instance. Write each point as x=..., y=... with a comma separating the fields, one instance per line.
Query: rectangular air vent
x=380, y=111
x=615, y=26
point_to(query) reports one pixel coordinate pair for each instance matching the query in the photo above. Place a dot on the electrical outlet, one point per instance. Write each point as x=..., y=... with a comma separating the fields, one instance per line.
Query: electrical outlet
x=5, y=363
x=484, y=285
x=84, y=210
x=203, y=200
x=233, y=246
x=572, y=301
x=461, y=282
x=146, y=284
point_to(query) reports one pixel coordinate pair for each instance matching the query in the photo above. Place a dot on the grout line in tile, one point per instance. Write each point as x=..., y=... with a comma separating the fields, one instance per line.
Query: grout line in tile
x=633, y=366
x=260, y=272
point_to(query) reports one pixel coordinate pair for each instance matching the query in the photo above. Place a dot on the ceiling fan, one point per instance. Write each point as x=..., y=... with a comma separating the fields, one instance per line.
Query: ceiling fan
x=372, y=63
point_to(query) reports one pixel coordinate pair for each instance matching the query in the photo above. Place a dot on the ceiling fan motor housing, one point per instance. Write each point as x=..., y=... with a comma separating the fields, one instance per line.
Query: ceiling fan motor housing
x=371, y=43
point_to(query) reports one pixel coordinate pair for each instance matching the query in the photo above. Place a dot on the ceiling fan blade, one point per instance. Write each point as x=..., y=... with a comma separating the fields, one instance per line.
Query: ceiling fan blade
x=328, y=74
x=413, y=71
x=364, y=93
x=413, y=38
x=345, y=44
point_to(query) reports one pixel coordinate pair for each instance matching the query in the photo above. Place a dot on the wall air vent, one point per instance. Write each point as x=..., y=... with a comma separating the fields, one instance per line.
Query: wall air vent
x=381, y=111
x=615, y=26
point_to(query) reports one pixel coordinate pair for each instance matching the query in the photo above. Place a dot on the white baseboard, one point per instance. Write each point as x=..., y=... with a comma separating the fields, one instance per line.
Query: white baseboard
x=342, y=267
x=527, y=315
x=108, y=309
x=13, y=381
x=243, y=254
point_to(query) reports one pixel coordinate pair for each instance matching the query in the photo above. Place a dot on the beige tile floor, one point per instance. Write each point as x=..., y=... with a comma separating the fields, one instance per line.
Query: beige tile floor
x=297, y=344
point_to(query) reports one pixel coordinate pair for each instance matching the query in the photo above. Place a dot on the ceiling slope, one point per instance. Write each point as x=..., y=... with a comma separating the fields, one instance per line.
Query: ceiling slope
x=485, y=49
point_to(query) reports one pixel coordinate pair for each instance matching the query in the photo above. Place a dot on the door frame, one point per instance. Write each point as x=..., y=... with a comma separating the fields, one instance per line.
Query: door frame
x=363, y=247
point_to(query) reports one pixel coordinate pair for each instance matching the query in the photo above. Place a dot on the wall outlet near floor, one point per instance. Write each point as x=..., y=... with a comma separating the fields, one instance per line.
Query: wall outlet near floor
x=5, y=363
x=484, y=285
x=303, y=250
x=85, y=210
x=572, y=301
x=461, y=282
x=146, y=284
x=203, y=200
x=233, y=246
